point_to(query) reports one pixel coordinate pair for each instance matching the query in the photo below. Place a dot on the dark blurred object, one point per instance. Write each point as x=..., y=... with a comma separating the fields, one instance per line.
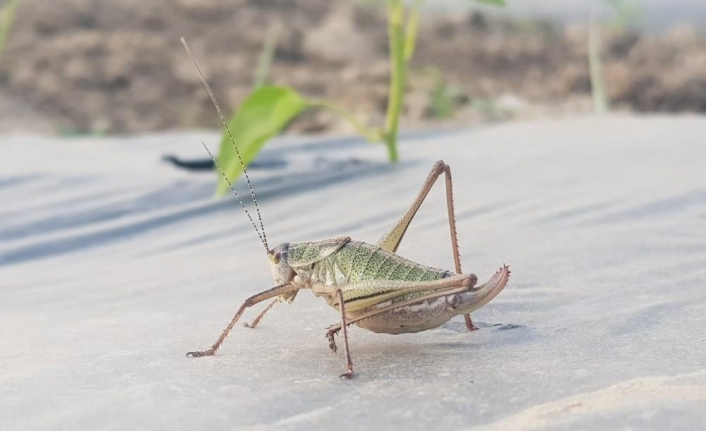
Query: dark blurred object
x=202, y=164
x=117, y=66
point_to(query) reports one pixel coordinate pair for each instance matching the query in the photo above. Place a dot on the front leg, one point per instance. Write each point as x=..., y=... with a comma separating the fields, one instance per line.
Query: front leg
x=267, y=294
x=259, y=317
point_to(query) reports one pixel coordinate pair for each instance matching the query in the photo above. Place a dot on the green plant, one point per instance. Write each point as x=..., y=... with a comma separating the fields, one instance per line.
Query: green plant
x=268, y=109
x=7, y=17
x=626, y=14
x=262, y=73
x=444, y=97
x=595, y=65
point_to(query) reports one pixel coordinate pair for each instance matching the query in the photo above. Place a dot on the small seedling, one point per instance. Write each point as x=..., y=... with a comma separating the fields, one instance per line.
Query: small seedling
x=369, y=285
x=626, y=14
x=268, y=109
x=444, y=97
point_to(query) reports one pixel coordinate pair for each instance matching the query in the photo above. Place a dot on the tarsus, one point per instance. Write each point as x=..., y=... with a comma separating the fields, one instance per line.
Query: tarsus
x=263, y=237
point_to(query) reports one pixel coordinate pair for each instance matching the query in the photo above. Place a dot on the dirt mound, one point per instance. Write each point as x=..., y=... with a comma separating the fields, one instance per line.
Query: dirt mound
x=101, y=66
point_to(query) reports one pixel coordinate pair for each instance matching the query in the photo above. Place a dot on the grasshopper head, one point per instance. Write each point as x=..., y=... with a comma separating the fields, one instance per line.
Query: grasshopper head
x=281, y=271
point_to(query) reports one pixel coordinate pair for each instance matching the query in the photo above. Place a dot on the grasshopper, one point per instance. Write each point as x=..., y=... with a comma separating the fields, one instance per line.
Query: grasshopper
x=369, y=285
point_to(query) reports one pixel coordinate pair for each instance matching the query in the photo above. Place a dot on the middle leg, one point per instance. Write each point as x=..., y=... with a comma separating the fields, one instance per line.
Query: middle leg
x=344, y=326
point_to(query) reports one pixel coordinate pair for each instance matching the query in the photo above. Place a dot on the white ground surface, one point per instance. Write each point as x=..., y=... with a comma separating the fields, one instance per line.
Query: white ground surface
x=113, y=264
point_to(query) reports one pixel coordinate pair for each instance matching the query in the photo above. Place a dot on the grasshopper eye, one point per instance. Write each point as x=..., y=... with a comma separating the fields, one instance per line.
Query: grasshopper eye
x=278, y=253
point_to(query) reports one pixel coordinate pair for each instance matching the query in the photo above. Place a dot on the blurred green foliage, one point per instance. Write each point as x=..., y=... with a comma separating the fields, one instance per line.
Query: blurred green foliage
x=7, y=17
x=444, y=98
x=268, y=109
x=627, y=14
x=263, y=114
x=262, y=73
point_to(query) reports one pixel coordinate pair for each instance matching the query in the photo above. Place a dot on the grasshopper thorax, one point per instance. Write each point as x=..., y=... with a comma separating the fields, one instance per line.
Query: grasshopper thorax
x=299, y=258
x=279, y=257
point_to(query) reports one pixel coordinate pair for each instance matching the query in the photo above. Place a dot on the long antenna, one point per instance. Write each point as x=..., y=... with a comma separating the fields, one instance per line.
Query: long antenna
x=232, y=189
x=263, y=237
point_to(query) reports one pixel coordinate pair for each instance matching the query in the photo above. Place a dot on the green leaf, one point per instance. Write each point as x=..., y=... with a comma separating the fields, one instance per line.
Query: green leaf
x=261, y=117
x=493, y=2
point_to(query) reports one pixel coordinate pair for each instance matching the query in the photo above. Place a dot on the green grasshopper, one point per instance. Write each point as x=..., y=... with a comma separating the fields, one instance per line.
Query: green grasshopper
x=369, y=285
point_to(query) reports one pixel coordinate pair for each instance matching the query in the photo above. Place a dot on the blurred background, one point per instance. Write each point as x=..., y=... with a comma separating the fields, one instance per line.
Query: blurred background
x=75, y=67
x=575, y=133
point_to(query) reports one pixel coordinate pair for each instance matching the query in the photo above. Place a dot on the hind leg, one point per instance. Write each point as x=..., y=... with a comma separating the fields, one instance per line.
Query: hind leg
x=391, y=240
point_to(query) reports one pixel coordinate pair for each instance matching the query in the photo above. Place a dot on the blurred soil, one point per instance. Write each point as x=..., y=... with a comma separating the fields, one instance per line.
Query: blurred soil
x=104, y=66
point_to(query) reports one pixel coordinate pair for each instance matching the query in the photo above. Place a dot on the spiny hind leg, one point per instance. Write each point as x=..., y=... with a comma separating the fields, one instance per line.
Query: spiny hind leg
x=333, y=330
x=391, y=240
x=491, y=288
x=443, y=287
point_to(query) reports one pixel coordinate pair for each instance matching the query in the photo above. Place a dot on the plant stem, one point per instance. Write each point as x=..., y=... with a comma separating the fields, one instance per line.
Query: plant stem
x=370, y=134
x=411, y=30
x=395, y=18
x=264, y=63
x=600, y=102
